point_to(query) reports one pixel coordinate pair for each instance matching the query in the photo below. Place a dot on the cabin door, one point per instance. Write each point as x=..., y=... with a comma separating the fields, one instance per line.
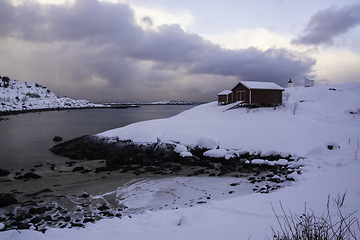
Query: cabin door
x=240, y=96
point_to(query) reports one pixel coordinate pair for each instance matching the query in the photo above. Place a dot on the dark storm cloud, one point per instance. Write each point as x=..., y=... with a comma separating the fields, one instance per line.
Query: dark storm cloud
x=85, y=20
x=329, y=23
x=102, y=39
x=253, y=64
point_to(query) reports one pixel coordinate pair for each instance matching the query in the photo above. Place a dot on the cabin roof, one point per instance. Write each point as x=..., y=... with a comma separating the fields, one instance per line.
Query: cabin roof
x=261, y=85
x=225, y=92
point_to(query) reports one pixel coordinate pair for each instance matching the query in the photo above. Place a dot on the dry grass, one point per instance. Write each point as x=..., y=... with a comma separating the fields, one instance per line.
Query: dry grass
x=308, y=226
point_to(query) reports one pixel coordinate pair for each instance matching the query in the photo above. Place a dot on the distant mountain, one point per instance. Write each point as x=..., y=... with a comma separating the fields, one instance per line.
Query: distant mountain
x=16, y=96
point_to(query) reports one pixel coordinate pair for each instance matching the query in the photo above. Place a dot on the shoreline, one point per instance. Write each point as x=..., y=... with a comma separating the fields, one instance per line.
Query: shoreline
x=10, y=113
x=117, y=106
x=74, y=193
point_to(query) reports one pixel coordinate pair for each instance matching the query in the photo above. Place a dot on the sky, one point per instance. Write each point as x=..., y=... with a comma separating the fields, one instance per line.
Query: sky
x=137, y=50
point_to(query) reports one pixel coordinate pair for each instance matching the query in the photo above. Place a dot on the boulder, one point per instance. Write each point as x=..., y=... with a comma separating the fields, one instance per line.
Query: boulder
x=57, y=139
x=28, y=176
x=4, y=172
x=103, y=207
x=7, y=200
x=78, y=169
x=332, y=145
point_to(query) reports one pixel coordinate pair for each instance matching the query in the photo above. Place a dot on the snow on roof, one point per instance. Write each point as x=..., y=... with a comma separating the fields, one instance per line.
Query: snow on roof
x=261, y=85
x=225, y=92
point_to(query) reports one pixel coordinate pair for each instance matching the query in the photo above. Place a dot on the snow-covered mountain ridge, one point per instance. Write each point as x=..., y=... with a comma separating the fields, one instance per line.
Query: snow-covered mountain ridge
x=16, y=96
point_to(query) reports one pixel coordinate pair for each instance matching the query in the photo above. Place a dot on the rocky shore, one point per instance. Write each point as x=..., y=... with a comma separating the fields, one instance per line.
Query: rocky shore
x=84, y=189
x=122, y=153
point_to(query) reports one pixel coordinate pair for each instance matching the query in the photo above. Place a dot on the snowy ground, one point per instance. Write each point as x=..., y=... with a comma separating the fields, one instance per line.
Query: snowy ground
x=325, y=115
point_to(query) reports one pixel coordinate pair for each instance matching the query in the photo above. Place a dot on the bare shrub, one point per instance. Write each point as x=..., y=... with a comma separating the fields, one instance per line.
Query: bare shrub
x=310, y=226
x=286, y=96
x=294, y=107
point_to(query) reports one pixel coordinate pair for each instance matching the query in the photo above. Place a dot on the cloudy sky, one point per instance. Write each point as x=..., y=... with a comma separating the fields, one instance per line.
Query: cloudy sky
x=148, y=50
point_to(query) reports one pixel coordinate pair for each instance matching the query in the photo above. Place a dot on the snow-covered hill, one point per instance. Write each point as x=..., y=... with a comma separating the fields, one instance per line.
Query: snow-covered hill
x=323, y=114
x=18, y=96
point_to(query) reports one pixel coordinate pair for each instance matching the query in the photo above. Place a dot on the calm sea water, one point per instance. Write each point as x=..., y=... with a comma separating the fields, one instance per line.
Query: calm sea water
x=25, y=139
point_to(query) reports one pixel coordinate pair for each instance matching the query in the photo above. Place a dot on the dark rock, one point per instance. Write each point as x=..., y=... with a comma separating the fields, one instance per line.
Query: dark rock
x=20, y=218
x=28, y=176
x=77, y=225
x=198, y=152
x=39, y=210
x=107, y=214
x=290, y=179
x=223, y=170
x=10, y=214
x=332, y=146
x=84, y=195
x=57, y=139
x=21, y=225
x=78, y=169
x=35, y=220
x=48, y=219
x=7, y=200
x=86, y=220
x=67, y=219
x=4, y=173
x=103, y=208
x=27, y=215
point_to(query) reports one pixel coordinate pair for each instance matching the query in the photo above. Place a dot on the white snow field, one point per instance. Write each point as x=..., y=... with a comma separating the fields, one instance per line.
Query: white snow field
x=326, y=115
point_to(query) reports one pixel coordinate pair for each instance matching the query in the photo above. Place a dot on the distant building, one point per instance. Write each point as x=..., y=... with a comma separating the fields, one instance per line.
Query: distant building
x=251, y=92
x=309, y=82
x=290, y=84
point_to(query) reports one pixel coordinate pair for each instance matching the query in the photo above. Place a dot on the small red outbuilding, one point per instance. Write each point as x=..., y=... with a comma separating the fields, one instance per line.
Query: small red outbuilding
x=251, y=92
